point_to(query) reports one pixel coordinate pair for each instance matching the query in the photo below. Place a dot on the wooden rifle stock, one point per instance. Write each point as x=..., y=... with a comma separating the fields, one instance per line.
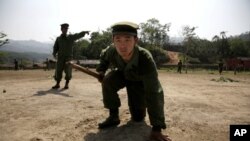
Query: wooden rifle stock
x=85, y=70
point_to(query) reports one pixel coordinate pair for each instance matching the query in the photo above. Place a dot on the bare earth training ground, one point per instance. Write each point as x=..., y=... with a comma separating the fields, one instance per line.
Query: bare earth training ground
x=196, y=108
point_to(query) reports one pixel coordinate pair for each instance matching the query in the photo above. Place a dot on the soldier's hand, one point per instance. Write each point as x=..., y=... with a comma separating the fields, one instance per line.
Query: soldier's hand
x=158, y=136
x=87, y=32
x=101, y=76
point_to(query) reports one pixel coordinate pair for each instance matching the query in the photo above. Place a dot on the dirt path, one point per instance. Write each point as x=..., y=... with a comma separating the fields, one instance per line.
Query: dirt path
x=197, y=109
x=174, y=57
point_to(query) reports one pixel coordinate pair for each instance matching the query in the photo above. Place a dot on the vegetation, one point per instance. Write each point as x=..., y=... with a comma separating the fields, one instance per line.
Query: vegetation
x=219, y=48
x=2, y=39
x=224, y=79
x=154, y=36
x=99, y=41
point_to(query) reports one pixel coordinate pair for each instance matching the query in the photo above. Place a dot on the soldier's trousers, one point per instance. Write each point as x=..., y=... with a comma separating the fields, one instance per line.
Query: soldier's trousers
x=113, y=82
x=62, y=66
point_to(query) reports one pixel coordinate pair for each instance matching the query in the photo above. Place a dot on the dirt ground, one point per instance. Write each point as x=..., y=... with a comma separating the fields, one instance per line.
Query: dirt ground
x=196, y=108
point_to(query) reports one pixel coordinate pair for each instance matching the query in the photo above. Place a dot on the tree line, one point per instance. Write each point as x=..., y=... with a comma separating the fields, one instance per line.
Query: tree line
x=154, y=36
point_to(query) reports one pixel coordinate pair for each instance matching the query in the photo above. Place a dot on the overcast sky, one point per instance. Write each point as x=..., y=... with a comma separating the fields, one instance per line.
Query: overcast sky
x=40, y=19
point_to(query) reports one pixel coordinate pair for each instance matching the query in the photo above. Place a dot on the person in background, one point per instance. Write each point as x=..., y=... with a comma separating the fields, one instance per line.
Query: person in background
x=47, y=63
x=15, y=64
x=179, y=66
x=220, y=67
x=63, y=51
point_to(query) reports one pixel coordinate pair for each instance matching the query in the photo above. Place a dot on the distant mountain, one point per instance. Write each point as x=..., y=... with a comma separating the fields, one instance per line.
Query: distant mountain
x=176, y=40
x=23, y=46
x=245, y=36
x=8, y=57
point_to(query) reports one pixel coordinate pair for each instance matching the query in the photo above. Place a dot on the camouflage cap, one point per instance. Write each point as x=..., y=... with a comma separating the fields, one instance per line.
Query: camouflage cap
x=124, y=28
x=65, y=25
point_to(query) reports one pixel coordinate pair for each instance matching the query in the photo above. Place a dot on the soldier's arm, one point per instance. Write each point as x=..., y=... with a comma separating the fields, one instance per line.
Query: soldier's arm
x=104, y=61
x=79, y=35
x=155, y=101
x=153, y=91
x=55, y=48
x=155, y=105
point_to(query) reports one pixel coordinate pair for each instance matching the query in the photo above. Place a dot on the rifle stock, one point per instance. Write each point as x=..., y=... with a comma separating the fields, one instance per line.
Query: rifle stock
x=85, y=70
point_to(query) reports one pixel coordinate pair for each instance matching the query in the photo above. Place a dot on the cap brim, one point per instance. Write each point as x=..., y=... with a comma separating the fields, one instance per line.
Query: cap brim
x=124, y=33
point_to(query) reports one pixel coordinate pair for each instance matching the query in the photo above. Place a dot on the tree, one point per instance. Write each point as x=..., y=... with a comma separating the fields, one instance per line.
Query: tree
x=204, y=51
x=189, y=44
x=154, y=37
x=154, y=33
x=79, y=49
x=238, y=48
x=224, y=47
x=99, y=41
x=240, y=45
x=2, y=40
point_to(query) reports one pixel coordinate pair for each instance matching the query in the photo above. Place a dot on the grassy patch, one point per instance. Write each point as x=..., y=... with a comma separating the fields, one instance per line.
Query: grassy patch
x=224, y=79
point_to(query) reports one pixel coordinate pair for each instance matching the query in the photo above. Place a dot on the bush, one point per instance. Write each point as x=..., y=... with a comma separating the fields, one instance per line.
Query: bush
x=160, y=56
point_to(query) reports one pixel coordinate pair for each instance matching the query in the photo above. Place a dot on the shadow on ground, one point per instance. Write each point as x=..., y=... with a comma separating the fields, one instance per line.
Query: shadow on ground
x=129, y=132
x=52, y=91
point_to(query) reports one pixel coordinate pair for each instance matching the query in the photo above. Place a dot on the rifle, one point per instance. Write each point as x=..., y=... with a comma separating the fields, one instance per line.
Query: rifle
x=83, y=69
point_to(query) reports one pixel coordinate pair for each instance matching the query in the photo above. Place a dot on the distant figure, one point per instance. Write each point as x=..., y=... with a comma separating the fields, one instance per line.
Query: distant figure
x=63, y=51
x=239, y=67
x=236, y=68
x=78, y=62
x=179, y=66
x=220, y=67
x=16, y=64
x=47, y=67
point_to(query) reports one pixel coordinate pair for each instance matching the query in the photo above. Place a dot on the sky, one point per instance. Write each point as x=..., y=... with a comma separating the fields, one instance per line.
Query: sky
x=40, y=19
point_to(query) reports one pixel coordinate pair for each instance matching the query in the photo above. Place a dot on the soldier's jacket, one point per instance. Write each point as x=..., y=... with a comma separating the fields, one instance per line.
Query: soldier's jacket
x=140, y=68
x=64, y=44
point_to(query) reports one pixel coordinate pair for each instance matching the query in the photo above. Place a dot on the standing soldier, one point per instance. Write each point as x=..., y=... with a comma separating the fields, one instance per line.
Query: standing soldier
x=179, y=66
x=220, y=67
x=63, y=49
x=47, y=63
x=16, y=64
x=135, y=69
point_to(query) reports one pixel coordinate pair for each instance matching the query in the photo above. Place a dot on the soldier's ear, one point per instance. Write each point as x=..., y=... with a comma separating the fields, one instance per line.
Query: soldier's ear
x=136, y=39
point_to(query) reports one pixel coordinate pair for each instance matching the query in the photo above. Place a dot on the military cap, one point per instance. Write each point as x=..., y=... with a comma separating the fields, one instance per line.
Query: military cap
x=64, y=25
x=124, y=28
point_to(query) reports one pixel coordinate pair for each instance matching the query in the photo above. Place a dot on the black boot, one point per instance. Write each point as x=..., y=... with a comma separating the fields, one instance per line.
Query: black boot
x=112, y=120
x=57, y=85
x=66, y=84
x=138, y=115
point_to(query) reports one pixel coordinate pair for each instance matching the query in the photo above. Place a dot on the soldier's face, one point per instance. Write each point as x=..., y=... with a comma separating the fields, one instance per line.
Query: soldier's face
x=124, y=44
x=64, y=30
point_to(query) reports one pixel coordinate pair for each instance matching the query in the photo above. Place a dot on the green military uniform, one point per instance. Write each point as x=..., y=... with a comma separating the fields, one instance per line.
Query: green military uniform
x=139, y=76
x=64, y=48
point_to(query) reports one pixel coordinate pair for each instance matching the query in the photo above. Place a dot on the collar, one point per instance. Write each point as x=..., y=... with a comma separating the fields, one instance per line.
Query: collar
x=134, y=60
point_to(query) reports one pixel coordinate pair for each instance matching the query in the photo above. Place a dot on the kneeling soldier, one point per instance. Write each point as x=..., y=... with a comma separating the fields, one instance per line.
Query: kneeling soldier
x=134, y=68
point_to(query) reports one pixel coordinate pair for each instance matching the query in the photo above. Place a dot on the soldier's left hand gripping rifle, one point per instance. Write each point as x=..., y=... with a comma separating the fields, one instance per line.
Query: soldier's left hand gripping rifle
x=85, y=70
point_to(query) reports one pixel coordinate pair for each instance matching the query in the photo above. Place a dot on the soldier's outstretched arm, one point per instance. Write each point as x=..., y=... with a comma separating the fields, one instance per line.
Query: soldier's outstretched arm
x=86, y=32
x=79, y=35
